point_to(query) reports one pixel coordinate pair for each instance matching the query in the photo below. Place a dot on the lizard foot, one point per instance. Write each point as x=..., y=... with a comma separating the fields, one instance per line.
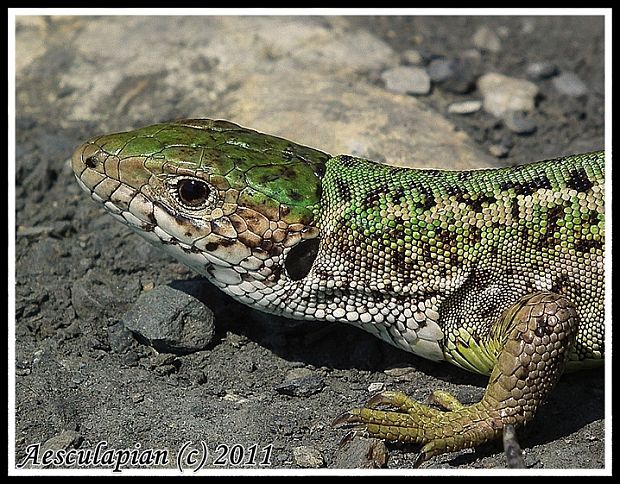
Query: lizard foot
x=541, y=330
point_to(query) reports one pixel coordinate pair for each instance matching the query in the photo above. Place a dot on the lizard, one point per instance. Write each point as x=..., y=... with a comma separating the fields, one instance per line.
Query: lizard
x=498, y=271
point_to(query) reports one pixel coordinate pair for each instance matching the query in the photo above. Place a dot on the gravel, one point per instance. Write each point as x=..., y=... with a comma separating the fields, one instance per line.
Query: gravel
x=502, y=94
x=407, y=80
x=570, y=84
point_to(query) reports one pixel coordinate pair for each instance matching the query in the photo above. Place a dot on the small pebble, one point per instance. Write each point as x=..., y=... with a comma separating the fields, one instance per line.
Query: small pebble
x=407, y=80
x=519, y=123
x=301, y=387
x=465, y=107
x=440, y=69
x=486, y=39
x=361, y=453
x=570, y=84
x=55, y=229
x=499, y=151
x=376, y=387
x=119, y=338
x=413, y=57
x=502, y=94
x=528, y=25
x=454, y=75
x=171, y=319
x=65, y=440
x=541, y=70
x=308, y=457
x=398, y=371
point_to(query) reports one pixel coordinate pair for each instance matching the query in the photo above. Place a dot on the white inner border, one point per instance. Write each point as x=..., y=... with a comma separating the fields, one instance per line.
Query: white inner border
x=605, y=12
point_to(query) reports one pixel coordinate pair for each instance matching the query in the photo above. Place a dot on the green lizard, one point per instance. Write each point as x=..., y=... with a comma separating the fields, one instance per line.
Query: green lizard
x=498, y=271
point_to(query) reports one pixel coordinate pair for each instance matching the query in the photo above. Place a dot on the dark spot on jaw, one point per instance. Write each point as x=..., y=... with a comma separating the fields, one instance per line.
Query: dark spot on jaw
x=227, y=242
x=284, y=210
x=211, y=246
x=539, y=331
x=183, y=220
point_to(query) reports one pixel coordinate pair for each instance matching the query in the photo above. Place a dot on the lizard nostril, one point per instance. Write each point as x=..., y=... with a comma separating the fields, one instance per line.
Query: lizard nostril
x=91, y=162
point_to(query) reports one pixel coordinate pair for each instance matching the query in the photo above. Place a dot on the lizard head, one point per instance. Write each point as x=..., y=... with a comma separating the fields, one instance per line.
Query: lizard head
x=228, y=201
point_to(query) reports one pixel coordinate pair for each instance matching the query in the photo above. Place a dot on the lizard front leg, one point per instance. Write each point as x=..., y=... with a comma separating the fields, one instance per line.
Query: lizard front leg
x=540, y=331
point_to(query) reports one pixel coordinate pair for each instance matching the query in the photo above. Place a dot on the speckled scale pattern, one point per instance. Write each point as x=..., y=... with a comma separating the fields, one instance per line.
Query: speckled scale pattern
x=457, y=248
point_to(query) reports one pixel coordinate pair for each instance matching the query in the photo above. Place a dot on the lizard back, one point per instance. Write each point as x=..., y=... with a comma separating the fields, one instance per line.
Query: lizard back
x=432, y=257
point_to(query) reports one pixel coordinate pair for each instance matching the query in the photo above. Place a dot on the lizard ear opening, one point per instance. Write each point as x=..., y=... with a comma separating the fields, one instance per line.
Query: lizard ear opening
x=300, y=258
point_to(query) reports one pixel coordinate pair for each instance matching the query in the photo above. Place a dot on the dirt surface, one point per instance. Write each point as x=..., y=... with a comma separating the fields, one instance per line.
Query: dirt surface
x=82, y=379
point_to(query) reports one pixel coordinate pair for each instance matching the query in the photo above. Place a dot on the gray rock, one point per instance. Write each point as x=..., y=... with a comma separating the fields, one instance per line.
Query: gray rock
x=119, y=338
x=519, y=123
x=361, y=453
x=407, y=80
x=465, y=107
x=454, y=75
x=570, y=84
x=308, y=457
x=301, y=387
x=65, y=440
x=171, y=320
x=502, y=94
x=94, y=297
x=486, y=39
x=440, y=69
x=541, y=70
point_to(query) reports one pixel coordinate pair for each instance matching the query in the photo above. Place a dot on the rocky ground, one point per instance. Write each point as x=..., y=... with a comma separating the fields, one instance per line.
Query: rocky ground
x=449, y=92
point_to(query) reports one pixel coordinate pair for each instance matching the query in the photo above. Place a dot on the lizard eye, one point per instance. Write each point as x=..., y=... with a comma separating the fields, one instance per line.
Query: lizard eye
x=193, y=193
